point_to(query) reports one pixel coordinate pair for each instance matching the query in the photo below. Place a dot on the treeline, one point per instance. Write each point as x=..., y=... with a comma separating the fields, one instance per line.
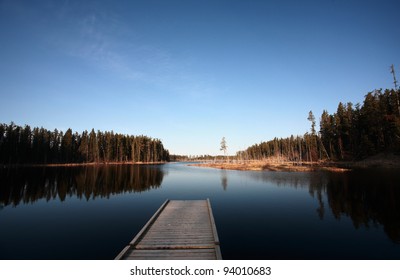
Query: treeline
x=298, y=149
x=353, y=132
x=360, y=131
x=24, y=145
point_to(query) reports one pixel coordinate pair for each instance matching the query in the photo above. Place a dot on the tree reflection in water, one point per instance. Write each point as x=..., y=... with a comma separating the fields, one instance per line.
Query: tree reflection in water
x=27, y=185
x=369, y=197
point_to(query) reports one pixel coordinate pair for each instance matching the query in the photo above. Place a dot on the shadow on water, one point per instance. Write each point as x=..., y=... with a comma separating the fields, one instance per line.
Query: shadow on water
x=28, y=185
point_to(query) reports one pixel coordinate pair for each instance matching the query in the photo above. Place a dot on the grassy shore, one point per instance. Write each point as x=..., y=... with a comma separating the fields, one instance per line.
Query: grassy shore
x=273, y=164
x=258, y=165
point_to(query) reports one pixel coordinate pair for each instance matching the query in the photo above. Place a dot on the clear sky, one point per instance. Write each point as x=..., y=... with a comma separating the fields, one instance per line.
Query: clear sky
x=191, y=72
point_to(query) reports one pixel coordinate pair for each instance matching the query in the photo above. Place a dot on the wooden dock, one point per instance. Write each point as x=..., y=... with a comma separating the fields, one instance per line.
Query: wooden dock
x=180, y=229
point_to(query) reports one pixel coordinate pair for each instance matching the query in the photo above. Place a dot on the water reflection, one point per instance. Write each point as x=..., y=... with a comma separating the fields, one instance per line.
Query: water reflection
x=27, y=185
x=276, y=215
x=368, y=197
x=224, y=179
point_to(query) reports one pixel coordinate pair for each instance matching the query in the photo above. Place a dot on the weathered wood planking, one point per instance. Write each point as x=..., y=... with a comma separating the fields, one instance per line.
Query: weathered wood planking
x=180, y=229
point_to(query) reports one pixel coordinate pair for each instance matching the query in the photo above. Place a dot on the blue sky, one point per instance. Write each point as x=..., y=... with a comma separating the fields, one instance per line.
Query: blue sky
x=192, y=72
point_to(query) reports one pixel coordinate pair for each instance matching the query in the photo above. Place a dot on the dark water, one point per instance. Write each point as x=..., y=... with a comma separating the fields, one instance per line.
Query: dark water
x=93, y=212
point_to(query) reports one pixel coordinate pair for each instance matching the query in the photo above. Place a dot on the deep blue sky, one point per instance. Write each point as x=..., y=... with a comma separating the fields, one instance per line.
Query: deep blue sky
x=191, y=72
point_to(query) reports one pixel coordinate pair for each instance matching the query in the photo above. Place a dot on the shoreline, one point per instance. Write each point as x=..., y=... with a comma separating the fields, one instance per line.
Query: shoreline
x=80, y=164
x=269, y=166
x=380, y=161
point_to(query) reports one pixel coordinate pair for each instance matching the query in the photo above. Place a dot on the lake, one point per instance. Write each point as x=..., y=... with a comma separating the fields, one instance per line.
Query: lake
x=93, y=212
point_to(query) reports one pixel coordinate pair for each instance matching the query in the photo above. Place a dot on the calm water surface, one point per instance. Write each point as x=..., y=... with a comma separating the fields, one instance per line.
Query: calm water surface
x=93, y=212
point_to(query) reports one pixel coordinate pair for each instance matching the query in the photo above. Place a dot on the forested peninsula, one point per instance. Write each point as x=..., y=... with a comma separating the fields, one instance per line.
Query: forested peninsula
x=352, y=133
x=30, y=146
x=363, y=135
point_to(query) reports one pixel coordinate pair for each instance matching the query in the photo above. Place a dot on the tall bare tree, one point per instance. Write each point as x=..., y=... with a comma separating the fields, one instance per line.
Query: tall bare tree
x=224, y=147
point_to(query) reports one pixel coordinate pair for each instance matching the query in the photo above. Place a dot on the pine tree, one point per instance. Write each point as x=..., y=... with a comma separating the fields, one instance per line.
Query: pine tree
x=67, y=146
x=93, y=147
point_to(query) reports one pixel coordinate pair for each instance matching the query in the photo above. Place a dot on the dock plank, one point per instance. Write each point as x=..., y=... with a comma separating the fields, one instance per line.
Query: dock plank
x=180, y=229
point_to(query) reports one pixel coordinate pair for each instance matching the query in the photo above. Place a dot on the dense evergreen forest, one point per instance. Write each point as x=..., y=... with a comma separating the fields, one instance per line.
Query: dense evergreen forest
x=353, y=132
x=24, y=145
